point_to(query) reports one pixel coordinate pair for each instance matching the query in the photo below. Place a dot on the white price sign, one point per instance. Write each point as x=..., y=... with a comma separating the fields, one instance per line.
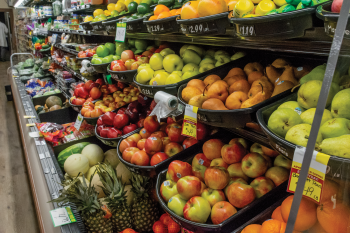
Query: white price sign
x=78, y=122
x=62, y=216
x=121, y=31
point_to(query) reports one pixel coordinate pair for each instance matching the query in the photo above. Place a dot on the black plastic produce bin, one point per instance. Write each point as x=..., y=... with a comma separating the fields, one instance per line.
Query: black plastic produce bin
x=61, y=116
x=86, y=26
x=42, y=99
x=111, y=24
x=338, y=167
x=97, y=26
x=275, y=27
x=208, y=25
x=113, y=142
x=162, y=26
x=135, y=25
x=126, y=76
x=101, y=68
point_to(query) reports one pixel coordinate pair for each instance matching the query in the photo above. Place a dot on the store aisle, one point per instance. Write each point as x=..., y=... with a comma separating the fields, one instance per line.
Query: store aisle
x=17, y=212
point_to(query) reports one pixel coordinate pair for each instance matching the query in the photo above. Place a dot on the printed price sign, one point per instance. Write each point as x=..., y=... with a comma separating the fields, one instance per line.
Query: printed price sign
x=121, y=31
x=246, y=30
x=189, y=127
x=62, y=216
x=78, y=122
x=314, y=182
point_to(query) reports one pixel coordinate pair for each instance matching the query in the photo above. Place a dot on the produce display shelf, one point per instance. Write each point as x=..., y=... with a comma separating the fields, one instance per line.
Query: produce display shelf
x=72, y=72
x=43, y=17
x=76, y=32
x=65, y=49
x=44, y=178
x=84, y=8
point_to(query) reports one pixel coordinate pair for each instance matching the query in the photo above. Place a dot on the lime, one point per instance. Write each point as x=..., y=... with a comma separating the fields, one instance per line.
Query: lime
x=96, y=60
x=143, y=8
x=98, y=12
x=132, y=7
x=110, y=47
x=102, y=51
x=111, y=7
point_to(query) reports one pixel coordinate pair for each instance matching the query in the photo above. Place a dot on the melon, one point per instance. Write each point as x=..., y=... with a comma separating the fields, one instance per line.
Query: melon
x=96, y=183
x=75, y=149
x=53, y=100
x=112, y=157
x=94, y=153
x=91, y=171
x=123, y=173
x=129, y=195
x=76, y=164
x=55, y=107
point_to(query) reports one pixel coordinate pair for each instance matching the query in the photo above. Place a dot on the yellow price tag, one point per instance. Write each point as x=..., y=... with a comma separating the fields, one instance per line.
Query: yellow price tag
x=189, y=127
x=26, y=117
x=315, y=180
x=30, y=124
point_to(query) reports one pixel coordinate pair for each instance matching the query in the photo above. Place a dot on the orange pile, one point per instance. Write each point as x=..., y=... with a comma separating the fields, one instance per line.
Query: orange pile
x=195, y=9
x=162, y=11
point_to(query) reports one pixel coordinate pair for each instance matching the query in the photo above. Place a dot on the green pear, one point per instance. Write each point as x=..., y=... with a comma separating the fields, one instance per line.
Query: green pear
x=335, y=127
x=189, y=74
x=318, y=74
x=282, y=119
x=207, y=61
x=309, y=93
x=341, y=104
x=338, y=146
x=208, y=56
x=292, y=105
x=221, y=52
x=210, y=52
x=299, y=135
x=221, y=59
x=190, y=67
x=344, y=82
x=183, y=49
x=237, y=55
x=206, y=67
x=199, y=50
x=190, y=56
x=308, y=116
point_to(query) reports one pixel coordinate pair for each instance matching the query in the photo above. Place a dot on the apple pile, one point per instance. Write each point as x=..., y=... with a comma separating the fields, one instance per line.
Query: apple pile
x=166, y=225
x=221, y=179
x=157, y=142
x=243, y=88
x=166, y=67
x=89, y=91
x=128, y=61
x=87, y=53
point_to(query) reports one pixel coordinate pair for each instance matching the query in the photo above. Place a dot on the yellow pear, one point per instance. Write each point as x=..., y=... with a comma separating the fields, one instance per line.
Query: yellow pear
x=198, y=100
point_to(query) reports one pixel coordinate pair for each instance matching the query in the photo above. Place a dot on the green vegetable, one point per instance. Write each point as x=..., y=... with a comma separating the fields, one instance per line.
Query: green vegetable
x=75, y=149
x=143, y=8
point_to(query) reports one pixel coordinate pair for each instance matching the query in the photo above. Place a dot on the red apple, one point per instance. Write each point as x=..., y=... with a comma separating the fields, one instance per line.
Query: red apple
x=240, y=195
x=135, y=65
x=197, y=209
x=281, y=161
x=82, y=92
x=172, y=148
x=136, y=137
x=269, y=152
x=140, y=123
x=213, y=196
x=218, y=162
x=99, y=128
x=178, y=169
x=95, y=93
x=262, y=185
x=78, y=101
x=277, y=174
x=104, y=131
x=174, y=134
x=199, y=165
x=240, y=140
x=233, y=153
x=216, y=177
x=141, y=144
x=189, y=186
x=108, y=118
x=99, y=121
x=222, y=211
x=168, y=189
x=126, y=55
x=129, y=152
x=144, y=133
x=129, y=128
x=257, y=148
x=140, y=158
x=167, y=128
x=165, y=141
x=88, y=85
x=121, y=111
x=162, y=126
x=151, y=123
x=126, y=143
x=336, y=6
x=202, y=131
x=128, y=63
x=159, y=134
x=158, y=157
x=212, y=148
x=100, y=81
x=153, y=145
x=114, y=133
x=169, y=120
x=188, y=142
x=119, y=67
x=235, y=170
x=254, y=165
x=120, y=120
x=96, y=112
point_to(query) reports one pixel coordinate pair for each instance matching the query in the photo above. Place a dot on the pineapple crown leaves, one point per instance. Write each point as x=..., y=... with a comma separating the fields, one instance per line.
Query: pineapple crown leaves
x=112, y=185
x=141, y=185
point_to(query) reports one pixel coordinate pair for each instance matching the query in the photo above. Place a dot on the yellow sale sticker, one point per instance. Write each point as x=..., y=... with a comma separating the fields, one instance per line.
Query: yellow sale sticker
x=315, y=180
x=189, y=127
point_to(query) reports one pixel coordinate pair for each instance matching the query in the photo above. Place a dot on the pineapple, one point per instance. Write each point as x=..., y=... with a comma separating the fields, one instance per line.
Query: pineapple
x=144, y=211
x=116, y=197
x=96, y=217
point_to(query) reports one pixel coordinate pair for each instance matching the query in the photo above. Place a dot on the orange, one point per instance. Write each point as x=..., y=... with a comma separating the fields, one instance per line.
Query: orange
x=160, y=8
x=334, y=220
x=252, y=228
x=164, y=14
x=277, y=214
x=273, y=226
x=153, y=17
x=330, y=188
x=178, y=12
x=317, y=229
x=231, y=5
x=173, y=11
x=211, y=7
x=189, y=10
x=306, y=217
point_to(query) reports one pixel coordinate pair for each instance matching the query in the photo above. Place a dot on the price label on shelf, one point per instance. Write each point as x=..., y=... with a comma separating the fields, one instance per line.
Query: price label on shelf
x=189, y=127
x=78, y=121
x=315, y=180
x=62, y=216
x=120, y=33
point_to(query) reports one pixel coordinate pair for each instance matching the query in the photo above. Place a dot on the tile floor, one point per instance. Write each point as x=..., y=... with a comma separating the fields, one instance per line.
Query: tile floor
x=17, y=213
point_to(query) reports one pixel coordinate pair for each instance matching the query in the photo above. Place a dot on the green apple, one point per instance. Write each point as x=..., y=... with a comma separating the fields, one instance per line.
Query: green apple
x=206, y=67
x=190, y=67
x=177, y=72
x=111, y=47
x=159, y=79
x=191, y=56
x=107, y=59
x=221, y=59
x=299, y=135
x=140, y=44
x=237, y=55
x=145, y=75
x=96, y=60
x=172, y=63
x=149, y=47
x=173, y=78
x=282, y=119
x=102, y=51
x=165, y=52
x=95, y=55
x=131, y=42
x=119, y=48
x=199, y=50
x=308, y=116
x=156, y=61
x=183, y=49
x=159, y=71
x=177, y=204
x=210, y=52
x=116, y=57
x=143, y=66
x=190, y=74
x=213, y=196
x=197, y=209
x=168, y=189
x=207, y=61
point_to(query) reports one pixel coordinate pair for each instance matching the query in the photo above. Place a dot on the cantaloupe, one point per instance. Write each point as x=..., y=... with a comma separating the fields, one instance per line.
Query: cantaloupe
x=124, y=173
x=96, y=183
x=55, y=107
x=94, y=153
x=76, y=164
x=112, y=157
x=53, y=100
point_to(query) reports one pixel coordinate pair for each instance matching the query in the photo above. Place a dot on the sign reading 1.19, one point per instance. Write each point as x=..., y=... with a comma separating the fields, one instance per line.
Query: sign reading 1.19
x=246, y=30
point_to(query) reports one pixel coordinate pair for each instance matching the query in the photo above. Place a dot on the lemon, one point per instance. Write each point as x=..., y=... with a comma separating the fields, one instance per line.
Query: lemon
x=127, y=2
x=250, y=16
x=88, y=18
x=98, y=12
x=120, y=6
x=107, y=13
x=280, y=2
x=111, y=6
x=138, y=1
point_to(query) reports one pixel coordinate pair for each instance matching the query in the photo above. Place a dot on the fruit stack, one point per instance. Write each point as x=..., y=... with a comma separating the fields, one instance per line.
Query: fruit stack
x=166, y=225
x=292, y=120
x=166, y=67
x=126, y=120
x=89, y=91
x=243, y=88
x=128, y=61
x=87, y=53
x=105, y=54
x=139, y=8
x=162, y=11
x=222, y=179
x=157, y=142
x=195, y=9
